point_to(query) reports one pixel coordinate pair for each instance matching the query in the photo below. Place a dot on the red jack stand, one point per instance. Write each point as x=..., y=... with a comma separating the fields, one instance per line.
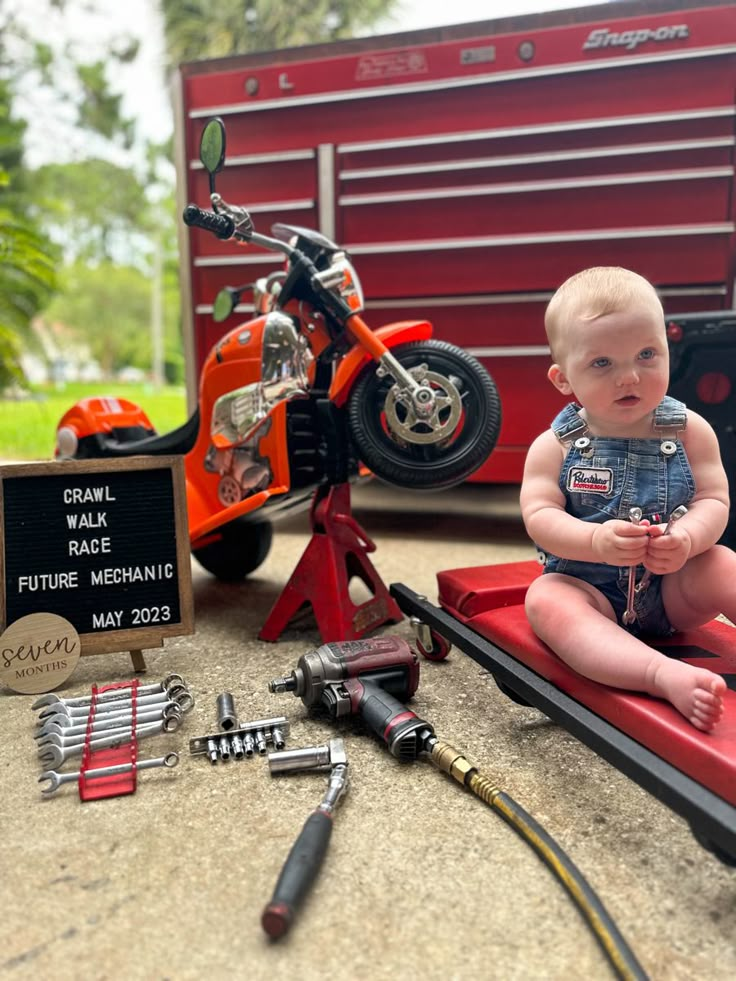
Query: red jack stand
x=336, y=552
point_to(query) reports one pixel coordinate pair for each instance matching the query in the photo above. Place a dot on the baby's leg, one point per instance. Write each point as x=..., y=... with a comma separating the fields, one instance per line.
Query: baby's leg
x=703, y=588
x=579, y=624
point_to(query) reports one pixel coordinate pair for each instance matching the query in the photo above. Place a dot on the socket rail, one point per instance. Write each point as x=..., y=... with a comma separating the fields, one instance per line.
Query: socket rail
x=249, y=738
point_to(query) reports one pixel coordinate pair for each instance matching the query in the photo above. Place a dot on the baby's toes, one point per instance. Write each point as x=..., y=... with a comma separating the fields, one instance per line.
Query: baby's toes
x=718, y=686
x=706, y=715
x=704, y=724
x=705, y=699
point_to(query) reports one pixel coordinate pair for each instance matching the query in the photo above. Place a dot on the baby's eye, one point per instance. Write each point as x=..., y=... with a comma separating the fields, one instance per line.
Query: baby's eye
x=647, y=354
x=600, y=363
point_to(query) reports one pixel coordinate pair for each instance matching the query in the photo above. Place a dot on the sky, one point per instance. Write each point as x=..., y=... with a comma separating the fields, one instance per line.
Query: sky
x=413, y=14
x=145, y=96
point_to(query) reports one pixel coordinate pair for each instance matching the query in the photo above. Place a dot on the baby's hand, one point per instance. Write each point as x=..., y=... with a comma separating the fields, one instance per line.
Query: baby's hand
x=667, y=553
x=619, y=542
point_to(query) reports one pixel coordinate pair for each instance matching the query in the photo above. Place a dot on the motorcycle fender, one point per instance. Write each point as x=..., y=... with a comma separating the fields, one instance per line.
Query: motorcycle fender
x=198, y=508
x=198, y=533
x=392, y=335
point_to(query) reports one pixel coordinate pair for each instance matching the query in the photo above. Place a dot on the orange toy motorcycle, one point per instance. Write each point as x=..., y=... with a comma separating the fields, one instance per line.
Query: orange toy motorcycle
x=300, y=397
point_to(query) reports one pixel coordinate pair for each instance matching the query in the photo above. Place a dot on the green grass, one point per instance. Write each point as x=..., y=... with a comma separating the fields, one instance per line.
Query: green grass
x=28, y=425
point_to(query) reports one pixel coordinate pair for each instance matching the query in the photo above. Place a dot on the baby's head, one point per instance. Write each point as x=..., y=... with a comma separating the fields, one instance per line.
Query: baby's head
x=594, y=293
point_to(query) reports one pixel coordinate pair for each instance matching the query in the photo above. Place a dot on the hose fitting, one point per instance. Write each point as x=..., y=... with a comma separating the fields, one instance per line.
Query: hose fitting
x=450, y=761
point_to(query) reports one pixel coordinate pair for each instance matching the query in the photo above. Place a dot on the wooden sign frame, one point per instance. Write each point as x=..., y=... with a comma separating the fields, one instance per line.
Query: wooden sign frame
x=132, y=638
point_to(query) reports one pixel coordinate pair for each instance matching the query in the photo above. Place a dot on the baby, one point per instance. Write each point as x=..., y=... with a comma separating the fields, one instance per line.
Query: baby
x=598, y=491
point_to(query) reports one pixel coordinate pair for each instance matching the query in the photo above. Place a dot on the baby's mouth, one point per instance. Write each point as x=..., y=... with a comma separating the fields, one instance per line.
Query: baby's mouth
x=628, y=400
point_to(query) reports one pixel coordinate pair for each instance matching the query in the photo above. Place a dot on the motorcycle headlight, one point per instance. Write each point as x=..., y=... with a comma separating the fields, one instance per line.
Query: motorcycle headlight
x=348, y=285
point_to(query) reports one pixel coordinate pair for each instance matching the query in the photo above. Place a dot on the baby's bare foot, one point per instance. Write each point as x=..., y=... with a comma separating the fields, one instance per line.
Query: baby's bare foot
x=696, y=693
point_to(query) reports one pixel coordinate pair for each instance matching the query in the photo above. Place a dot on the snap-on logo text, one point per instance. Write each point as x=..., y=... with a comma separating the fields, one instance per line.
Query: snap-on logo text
x=603, y=38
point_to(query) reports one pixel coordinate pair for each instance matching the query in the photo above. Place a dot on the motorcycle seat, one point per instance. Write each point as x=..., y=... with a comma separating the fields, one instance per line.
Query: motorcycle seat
x=177, y=441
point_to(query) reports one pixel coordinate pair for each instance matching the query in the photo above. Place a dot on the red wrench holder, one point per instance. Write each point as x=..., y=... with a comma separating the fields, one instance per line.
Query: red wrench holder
x=113, y=784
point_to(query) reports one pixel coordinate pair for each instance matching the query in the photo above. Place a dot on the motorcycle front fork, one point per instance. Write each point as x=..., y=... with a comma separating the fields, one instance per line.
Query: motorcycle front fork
x=421, y=396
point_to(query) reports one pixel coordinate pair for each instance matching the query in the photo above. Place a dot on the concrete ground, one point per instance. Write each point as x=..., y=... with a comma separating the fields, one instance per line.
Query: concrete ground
x=421, y=881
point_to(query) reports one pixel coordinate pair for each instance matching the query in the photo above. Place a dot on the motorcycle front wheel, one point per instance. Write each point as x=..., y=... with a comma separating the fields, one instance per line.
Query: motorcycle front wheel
x=430, y=454
x=241, y=546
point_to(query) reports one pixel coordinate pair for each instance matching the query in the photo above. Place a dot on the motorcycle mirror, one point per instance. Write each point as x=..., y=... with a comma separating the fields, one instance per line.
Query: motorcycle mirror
x=225, y=302
x=212, y=148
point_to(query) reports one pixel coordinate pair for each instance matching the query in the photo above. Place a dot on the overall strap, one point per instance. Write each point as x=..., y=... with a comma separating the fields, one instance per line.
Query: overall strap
x=670, y=414
x=568, y=425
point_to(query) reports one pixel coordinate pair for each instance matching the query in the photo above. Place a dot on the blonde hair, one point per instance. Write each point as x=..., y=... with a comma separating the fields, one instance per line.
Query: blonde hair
x=594, y=293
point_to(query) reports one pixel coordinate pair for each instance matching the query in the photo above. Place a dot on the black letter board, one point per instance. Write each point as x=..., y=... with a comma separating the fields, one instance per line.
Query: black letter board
x=102, y=543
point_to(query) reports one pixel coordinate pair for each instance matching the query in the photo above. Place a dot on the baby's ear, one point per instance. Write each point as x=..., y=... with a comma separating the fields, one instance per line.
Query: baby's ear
x=559, y=380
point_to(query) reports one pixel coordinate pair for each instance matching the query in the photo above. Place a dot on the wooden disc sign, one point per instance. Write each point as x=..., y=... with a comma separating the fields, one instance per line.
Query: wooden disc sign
x=102, y=544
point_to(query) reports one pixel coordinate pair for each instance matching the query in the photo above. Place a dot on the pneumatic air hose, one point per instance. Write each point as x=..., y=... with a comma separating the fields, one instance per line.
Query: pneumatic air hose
x=614, y=946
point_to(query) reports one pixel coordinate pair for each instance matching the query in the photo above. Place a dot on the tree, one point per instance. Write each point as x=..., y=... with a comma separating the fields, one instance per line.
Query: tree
x=102, y=204
x=197, y=29
x=96, y=210
x=108, y=306
x=64, y=77
x=27, y=261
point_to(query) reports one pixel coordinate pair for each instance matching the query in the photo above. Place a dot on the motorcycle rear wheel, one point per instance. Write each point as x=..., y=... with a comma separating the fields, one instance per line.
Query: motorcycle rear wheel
x=429, y=465
x=242, y=547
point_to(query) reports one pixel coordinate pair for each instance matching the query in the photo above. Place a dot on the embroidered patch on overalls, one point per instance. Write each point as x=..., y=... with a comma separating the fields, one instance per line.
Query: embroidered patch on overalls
x=589, y=480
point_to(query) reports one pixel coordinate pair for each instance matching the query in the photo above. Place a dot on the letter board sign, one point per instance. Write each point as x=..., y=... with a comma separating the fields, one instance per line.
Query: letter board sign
x=102, y=543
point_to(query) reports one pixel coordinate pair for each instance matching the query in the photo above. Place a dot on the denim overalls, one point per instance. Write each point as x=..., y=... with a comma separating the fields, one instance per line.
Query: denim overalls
x=602, y=478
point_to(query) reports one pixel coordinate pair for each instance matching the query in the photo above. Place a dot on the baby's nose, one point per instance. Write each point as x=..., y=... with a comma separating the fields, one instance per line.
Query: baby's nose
x=628, y=375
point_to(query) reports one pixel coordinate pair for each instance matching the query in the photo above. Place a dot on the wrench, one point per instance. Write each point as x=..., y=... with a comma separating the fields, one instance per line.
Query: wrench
x=678, y=513
x=63, y=739
x=55, y=755
x=80, y=712
x=55, y=780
x=629, y=614
x=172, y=714
x=171, y=680
x=164, y=710
x=182, y=697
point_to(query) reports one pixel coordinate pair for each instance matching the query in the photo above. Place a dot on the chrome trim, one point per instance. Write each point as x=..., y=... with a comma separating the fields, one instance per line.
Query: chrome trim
x=527, y=187
x=345, y=95
x=504, y=132
x=300, y=205
x=205, y=308
x=185, y=252
x=326, y=189
x=235, y=260
x=692, y=291
x=586, y=153
x=491, y=299
x=252, y=159
x=285, y=357
x=531, y=351
x=304, y=204
x=455, y=301
x=497, y=299
x=583, y=235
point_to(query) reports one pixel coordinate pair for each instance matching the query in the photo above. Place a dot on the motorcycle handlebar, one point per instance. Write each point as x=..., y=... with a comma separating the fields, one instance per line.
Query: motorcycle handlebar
x=221, y=225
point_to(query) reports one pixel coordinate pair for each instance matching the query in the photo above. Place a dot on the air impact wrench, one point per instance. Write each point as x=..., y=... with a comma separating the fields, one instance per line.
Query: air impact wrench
x=370, y=678
x=367, y=678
